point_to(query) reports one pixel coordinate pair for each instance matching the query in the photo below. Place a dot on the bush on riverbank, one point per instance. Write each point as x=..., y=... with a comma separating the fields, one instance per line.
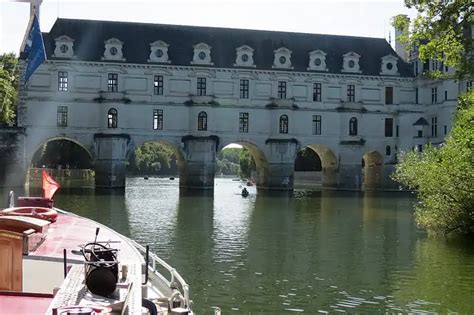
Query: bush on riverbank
x=444, y=177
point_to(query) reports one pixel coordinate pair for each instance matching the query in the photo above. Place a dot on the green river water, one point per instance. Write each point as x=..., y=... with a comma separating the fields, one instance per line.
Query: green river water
x=310, y=252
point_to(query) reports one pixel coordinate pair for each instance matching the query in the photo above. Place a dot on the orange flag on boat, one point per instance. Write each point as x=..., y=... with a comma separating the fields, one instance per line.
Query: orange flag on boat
x=49, y=185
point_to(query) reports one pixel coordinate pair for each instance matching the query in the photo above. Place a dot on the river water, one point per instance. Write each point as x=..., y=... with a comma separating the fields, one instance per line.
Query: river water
x=310, y=252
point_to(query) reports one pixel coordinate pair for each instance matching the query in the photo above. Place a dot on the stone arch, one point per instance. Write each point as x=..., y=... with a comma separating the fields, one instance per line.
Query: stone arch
x=372, y=162
x=261, y=161
x=181, y=161
x=328, y=164
x=42, y=143
x=65, y=168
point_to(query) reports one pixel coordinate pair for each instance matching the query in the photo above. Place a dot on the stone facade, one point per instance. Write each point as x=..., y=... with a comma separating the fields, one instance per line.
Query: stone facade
x=354, y=110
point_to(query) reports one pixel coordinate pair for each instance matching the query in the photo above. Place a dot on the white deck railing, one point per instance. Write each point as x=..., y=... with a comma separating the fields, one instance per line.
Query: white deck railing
x=175, y=276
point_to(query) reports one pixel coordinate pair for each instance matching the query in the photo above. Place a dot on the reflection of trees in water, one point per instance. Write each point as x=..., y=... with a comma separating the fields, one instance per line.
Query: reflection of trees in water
x=104, y=206
x=442, y=274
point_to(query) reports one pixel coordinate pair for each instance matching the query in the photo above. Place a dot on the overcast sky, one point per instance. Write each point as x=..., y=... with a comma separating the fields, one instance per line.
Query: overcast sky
x=369, y=18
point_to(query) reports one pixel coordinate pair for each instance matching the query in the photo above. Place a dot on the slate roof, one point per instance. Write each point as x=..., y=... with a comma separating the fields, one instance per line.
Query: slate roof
x=421, y=122
x=89, y=37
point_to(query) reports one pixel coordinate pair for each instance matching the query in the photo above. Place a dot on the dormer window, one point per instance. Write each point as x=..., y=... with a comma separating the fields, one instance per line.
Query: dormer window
x=388, y=65
x=351, y=62
x=317, y=61
x=113, y=50
x=159, y=52
x=202, y=54
x=64, y=47
x=282, y=58
x=244, y=56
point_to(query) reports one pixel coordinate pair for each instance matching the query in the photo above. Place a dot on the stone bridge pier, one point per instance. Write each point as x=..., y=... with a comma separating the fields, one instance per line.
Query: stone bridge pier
x=281, y=163
x=199, y=154
x=111, y=155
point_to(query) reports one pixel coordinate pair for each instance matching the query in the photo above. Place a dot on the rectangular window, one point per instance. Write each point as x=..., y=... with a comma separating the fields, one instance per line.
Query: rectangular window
x=62, y=81
x=244, y=88
x=281, y=90
x=388, y=95
x=158, y=85
x=316, y=124
x=351, y=93
x=445, y=95
x=445, y=130
x=434, y=126
x=420, y=148
x=434, y=95
x=396, y=131
x=201, y=86
x=157, y=119
x=416, y=95
x=415, y=67
x=420, y=134
x=434, y=65
x=388, y=127
x=243, y=122
x=62, y=116
x=468, y=86
x=112, y=83
x=316, y=92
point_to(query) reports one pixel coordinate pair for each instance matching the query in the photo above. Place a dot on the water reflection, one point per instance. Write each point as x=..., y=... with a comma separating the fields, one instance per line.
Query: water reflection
x=276, y=253
x=104, y=206
x=441, y=279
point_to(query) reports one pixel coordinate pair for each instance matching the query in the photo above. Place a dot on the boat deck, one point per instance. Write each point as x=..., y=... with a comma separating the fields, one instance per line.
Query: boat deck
x=69, y=232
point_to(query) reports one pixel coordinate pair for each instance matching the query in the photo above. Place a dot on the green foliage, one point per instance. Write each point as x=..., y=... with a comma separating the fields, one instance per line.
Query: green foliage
x=247, y=163
x=8, y=87
x=444, y=177
x=441, y=31
x=228, y=161
x=154, y=158
x=231, y=154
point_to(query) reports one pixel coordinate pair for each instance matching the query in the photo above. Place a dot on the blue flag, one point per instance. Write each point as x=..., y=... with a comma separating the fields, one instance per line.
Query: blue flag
x=34, y=49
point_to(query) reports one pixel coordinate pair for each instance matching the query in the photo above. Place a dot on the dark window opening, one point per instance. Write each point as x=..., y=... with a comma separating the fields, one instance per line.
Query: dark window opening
x=283, y=124
x=388, y=95
x=157, y=119
x=202, y=121
x=112, y=118
x=281, y=90
x=388, y=127
x=62, y=116
x=244, y=88
x=244, y=122
x=158, y=85
x=112, y=83
x=353, y=126
x=201, y=86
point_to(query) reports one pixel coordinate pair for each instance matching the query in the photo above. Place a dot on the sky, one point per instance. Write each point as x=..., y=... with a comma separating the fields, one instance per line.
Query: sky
x=369, y=18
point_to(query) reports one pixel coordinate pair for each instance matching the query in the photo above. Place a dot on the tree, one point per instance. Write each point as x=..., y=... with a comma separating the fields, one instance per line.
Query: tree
x=444, y=177
x=8, y=87
x=247, y=163
x=154, y=158
x=441, y=31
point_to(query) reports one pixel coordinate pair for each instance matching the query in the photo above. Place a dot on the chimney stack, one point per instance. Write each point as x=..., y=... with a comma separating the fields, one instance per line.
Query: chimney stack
x=401, y=48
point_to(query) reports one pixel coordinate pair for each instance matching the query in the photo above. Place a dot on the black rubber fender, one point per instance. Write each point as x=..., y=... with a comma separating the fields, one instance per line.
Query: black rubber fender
x=150, y=306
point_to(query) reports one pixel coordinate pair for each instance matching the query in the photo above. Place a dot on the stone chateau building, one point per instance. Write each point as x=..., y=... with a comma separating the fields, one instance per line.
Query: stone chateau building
x=111, y=86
